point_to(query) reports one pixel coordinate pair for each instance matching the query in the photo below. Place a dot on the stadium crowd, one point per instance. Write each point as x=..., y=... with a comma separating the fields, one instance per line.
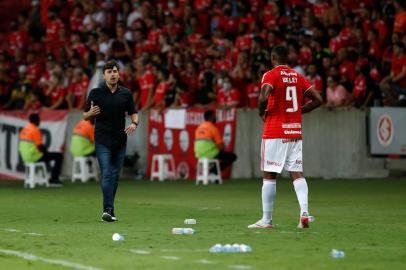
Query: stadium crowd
x=204, y=52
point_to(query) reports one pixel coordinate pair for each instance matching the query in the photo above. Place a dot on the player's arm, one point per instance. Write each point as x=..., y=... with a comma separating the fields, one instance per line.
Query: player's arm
x=316, y=100
x=263, y=99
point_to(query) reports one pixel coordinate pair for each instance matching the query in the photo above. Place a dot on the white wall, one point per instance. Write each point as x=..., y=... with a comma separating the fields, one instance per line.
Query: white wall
x=335, y=145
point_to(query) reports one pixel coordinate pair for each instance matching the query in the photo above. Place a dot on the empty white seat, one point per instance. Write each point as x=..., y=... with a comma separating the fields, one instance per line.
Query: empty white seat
x=36, y=174
x=163, y=167
x=203, y=173
x=84, y=168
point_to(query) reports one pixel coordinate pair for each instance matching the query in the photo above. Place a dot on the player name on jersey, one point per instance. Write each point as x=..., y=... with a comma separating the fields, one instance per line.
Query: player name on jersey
x=289, y=80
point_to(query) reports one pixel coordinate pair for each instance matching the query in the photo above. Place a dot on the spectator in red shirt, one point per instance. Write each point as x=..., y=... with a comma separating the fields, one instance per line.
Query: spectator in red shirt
x=78, y=46
x=241, y=72
x=394, y=85
x=375, y=49
x=76, y=18
x=52, y=28
x=153, y=31
x=44, y=80
x=346, y=67
x=18, y=38
x=77, y=90
x=127, y=77
x=243, y=41
x=400, y=17
x=33, y=103
x=315, y=79
x=228, y=23
x=252, y=92
x=364, y=88
x=56, y=91
x=228, y=97
x=161, y=89
x=146, y=81
x=34, y=68
x=171, y=27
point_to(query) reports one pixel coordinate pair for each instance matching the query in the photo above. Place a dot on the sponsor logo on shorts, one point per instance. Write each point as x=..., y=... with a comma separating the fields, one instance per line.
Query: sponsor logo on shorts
x=274, y=163
x=289, y=140
x=298, y=162
x=292, y=132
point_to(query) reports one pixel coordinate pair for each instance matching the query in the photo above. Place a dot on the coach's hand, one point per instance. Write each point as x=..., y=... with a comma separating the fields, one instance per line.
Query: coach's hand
x=94, y=110
x=130, y=129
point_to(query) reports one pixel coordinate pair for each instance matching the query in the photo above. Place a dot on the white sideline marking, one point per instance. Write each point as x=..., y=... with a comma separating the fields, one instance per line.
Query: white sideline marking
x=140, y=251
x=32, y=257
x=241, y=267
x=204, y=261
x=18, y=231
x=11, y=230
x=33, y=233
x=173, y=258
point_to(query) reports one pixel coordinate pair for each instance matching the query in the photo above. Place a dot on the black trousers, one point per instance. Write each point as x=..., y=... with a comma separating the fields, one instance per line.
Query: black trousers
x=226, y=159
x=48, y=157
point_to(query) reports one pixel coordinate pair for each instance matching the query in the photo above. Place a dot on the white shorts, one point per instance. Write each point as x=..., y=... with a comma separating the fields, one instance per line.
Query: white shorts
x=278, y=154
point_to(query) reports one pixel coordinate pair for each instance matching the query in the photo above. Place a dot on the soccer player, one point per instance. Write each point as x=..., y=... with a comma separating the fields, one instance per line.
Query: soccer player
x=280, y=106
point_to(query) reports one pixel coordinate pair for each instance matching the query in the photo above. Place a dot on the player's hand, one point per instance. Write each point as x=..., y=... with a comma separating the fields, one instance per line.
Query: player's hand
x=94, y=110
x=130, y=129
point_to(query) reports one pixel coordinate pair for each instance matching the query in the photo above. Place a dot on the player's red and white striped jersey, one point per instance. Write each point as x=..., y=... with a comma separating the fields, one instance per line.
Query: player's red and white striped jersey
x=284, y=110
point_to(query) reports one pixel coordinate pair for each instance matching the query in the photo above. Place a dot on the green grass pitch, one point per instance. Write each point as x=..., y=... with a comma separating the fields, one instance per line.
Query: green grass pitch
x=365, y=218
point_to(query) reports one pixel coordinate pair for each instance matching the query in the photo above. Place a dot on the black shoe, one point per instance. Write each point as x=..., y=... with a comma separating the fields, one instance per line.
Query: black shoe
x=108, y=215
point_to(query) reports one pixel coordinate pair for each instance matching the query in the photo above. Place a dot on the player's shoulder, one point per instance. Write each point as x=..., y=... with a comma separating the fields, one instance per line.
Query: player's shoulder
x=267, y=75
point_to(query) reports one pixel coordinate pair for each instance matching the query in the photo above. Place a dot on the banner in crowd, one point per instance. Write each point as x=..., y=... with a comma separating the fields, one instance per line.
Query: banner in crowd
x=53, y=128
x=173, y=132
x=387, y=131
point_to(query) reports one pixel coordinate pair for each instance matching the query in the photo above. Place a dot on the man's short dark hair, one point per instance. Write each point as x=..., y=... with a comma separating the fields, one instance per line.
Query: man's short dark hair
x=34, y=118
x=110, y=65
x=209, y=115
x=281, y=53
